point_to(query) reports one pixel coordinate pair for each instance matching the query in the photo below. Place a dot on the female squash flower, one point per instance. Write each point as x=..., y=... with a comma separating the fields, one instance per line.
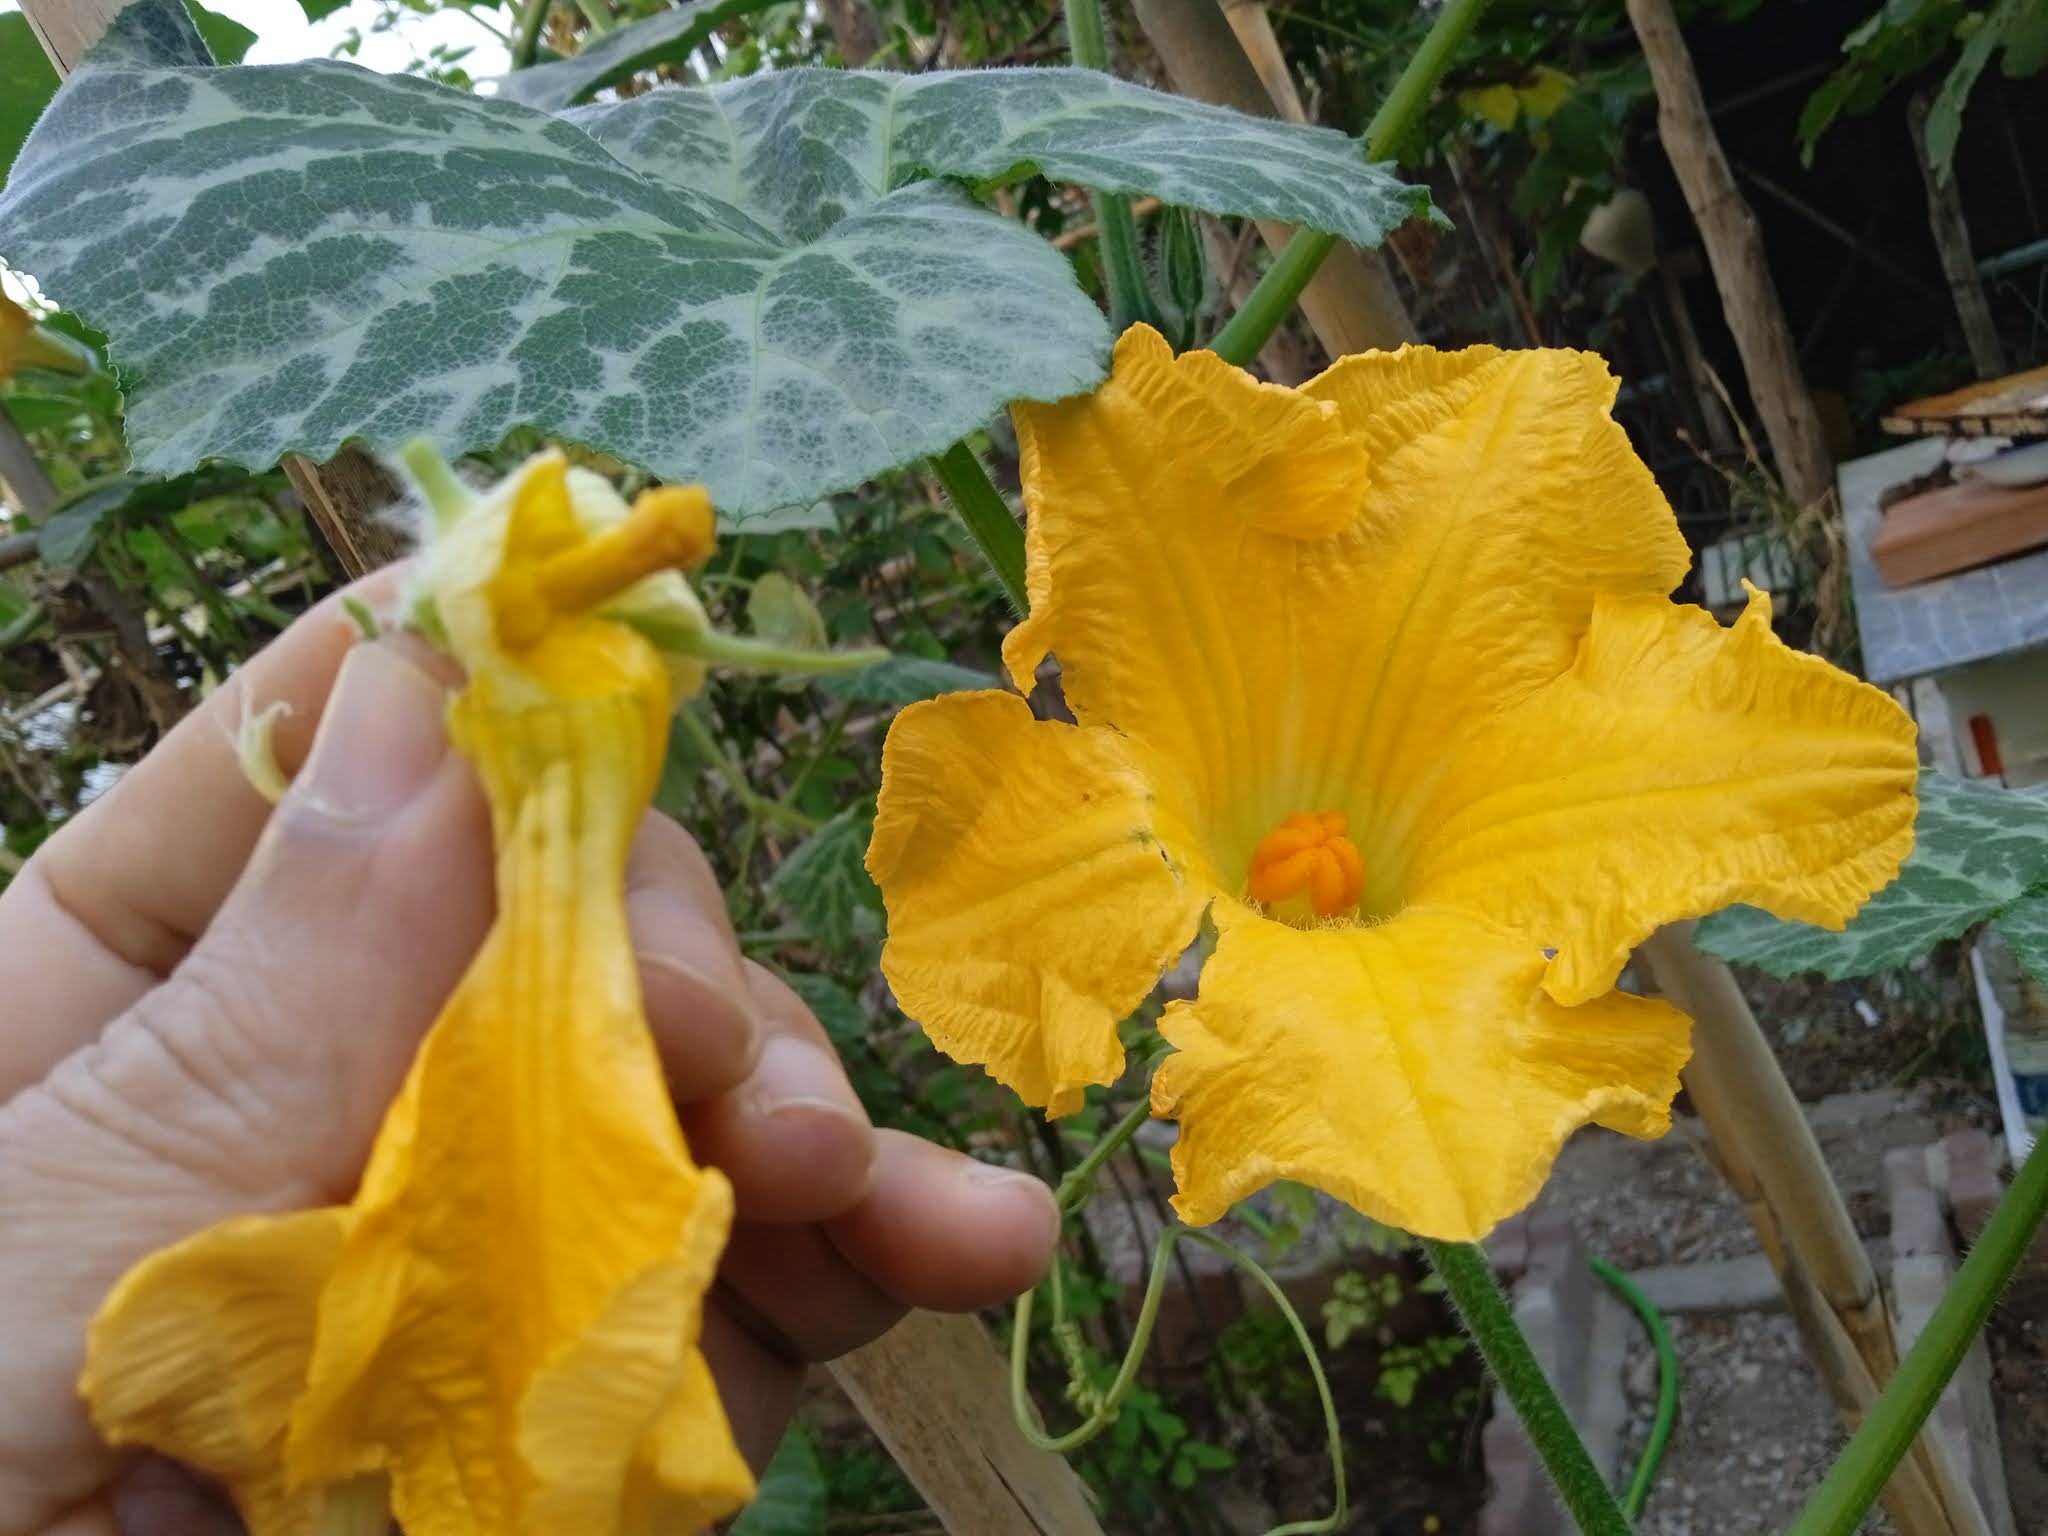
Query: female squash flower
x=500, y=1333
x=1382, y=676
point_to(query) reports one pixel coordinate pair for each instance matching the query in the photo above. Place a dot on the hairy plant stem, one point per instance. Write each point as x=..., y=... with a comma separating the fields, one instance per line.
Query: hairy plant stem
x=1468, y=1280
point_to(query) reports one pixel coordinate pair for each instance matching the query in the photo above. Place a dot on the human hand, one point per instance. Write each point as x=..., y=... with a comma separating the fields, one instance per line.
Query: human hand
x=209, y=1005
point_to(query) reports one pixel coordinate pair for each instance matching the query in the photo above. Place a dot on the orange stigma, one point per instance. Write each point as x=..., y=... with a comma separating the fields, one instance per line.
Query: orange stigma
x=1312, y=854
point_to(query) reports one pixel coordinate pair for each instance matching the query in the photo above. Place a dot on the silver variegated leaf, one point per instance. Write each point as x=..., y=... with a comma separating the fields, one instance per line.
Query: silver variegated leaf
x=665, y=37
x=745, y=285
x=803, y=148
x=1977, y=850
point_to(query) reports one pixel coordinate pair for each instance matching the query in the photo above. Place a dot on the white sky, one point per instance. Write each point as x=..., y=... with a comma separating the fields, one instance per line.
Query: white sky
x=283, y=34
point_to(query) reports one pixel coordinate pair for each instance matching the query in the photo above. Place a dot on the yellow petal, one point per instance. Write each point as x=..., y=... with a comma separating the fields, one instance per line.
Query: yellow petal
x=530, y=1214
x=200, y=1350
x=1676, y=768
x=1181, y=550
x=1032, y=903
x=1415, y=1069
x=1504, y=500
x=1452, y=516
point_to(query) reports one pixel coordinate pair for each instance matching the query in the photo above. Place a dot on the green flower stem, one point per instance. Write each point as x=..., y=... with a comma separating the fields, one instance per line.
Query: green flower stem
x=598, y=14
x=1854, y=1482
x=1468, y=1278
x=447, y=498
x=1116, y=232
x=987, y=516
x=1277, y=292
x=526, y=38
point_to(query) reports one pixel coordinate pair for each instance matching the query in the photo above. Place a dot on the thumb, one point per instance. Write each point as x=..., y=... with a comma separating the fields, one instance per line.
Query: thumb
x=265, y=1061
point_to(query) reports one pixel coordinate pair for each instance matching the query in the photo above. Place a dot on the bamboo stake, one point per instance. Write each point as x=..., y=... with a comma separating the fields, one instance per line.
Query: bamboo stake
x=1735, y=251
x=1766, y=1150
x=936, y=1393
x=1253, y=25
x=933, y=1388
x=1951, y=230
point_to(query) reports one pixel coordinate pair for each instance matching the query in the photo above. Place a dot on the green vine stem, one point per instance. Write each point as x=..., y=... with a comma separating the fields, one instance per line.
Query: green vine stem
x=757, y=805
x=526, y=38
x=1079, y=1181
x=1468, y=1279
x=1854, y=1482
x=1277, y=292
x=987, y=516
x=1105, y=1409
x=1123, y=271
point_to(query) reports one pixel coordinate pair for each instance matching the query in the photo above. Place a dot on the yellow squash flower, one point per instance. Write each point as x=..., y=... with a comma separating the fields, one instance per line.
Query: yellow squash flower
x=1382, y=676
x=500, y=1333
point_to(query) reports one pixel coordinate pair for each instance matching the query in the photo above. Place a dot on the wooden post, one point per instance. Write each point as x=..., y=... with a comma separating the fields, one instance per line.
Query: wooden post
x=933, y=1388
x=1253, y=25
x=1351, y=303
x=1764, y=1147
x=1735, y=250
x=855, y=28
x=1952, y=243
x=937, y=1394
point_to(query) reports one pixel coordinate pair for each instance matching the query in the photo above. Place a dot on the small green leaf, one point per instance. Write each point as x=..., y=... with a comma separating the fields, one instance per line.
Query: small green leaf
x=320, y=10
x=1945, y=117
x=1977, y=849
x=791, y=1498
x=904, y=680
x=68, y=534
x=226, y=39
x=668, y=36
x=782, y=613
x=37, y=413
x=835, y=1008
x=825, y=882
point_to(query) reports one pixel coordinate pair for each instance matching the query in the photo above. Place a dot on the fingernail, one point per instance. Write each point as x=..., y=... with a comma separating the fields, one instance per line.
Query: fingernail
x=381, y=737
x=794, y=1074
x=1015, y=1184
x=996, y=1176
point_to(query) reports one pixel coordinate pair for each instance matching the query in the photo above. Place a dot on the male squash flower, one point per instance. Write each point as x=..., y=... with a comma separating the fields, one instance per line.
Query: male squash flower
x=1382, y=676
x=500, y=1332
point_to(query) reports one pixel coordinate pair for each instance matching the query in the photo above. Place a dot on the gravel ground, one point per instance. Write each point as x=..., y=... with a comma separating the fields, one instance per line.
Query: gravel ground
x=1755, y=1428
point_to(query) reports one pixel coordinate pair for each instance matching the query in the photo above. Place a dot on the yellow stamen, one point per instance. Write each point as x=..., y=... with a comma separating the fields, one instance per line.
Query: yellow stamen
x=669, y=528
x=1310, y=853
